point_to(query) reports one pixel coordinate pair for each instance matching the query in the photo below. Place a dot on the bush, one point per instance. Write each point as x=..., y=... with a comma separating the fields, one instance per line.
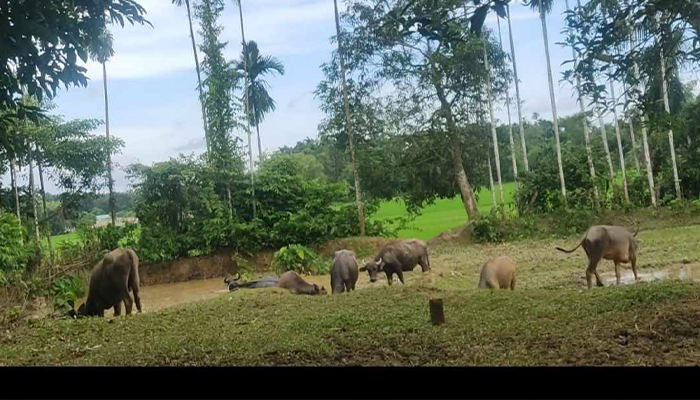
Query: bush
x=183, y=209
x=539, y=191
x=65, y=291
x=300, y=259
x=15, y=251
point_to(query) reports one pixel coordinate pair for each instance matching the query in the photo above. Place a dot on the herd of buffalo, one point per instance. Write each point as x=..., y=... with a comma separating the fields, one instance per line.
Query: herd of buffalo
x=117, y=273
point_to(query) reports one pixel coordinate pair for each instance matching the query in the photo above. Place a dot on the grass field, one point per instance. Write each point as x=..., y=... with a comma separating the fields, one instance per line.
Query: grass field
x=551, y=319
x=444, y=215
x=68, y=237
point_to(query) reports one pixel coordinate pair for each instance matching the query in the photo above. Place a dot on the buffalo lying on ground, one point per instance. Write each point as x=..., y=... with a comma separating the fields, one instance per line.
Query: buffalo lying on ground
x=110, y=283
x=265, y=282
x=289, y=280
x=397, y=257
x=611, y=243
x=344, y=271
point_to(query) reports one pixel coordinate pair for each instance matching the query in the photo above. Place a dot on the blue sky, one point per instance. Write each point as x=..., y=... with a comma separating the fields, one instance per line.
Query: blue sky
x=152, y=79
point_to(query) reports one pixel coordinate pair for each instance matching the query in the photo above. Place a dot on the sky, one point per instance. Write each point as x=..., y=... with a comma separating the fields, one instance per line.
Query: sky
x=152, y=79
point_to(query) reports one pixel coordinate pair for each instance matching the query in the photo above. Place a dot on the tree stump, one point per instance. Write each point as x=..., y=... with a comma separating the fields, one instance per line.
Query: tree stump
x=437, y=314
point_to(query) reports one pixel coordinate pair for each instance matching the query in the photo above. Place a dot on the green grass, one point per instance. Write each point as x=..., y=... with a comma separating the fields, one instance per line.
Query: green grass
x=551, y=319
x=56, y=240
x=444, y=215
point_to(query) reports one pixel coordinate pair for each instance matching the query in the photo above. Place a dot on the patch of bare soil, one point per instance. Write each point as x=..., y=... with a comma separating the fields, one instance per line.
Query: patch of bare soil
x=463, y=234
x=189, y=268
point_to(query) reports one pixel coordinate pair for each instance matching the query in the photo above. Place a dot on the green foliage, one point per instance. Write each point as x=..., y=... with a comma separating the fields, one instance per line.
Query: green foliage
x=256, y=66
x=539, y=191
x=488, y=229
x=65, y=291
x=45, y=41
x=300, y=259
x=15, y=252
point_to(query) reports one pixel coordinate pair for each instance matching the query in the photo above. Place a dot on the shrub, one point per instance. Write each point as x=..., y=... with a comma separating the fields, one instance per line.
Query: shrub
x=65, y=291
x=300, y=259
x=15, y=251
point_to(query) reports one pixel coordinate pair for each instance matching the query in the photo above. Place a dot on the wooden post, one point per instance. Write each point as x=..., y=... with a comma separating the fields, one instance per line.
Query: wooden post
x=437, y=315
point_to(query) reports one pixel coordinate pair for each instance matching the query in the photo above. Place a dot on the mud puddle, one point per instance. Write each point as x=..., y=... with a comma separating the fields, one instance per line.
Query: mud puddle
x=674, y=271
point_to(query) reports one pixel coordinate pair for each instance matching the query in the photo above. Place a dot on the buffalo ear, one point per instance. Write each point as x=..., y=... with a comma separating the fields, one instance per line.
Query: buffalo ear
x=363, y=269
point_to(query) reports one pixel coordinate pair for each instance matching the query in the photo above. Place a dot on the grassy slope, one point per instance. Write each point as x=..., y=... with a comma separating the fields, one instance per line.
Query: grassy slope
x=444, y=215
x=549, y=320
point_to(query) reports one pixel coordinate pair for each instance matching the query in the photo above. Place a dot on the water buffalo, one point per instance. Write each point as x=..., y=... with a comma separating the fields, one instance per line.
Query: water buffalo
x=110, y=283
x=398, y=256
x=265, y=282
x=291, y=281
x=343, y=271
x=498, y=273
x=611, y=243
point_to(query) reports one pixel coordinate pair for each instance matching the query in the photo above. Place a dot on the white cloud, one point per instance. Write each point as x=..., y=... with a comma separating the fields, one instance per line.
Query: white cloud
x=165, y=48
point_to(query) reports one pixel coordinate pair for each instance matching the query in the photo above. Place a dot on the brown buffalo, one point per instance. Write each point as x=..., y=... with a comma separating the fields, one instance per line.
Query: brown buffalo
x=397, y=257
x=498, y=273
x=611, y=243
x=291, y=281
x=110, y=283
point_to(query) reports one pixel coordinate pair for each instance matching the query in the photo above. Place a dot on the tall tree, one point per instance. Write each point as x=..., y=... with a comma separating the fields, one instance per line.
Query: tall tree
x=497, y=156
x=586, y=130
x=517, y=91
x=102, y=50
x=196, y=64
x=248, y=118
x=348, y=122
x=510, y=124
x=260, y=101
x=630, y=123
x=667, y=107
x=544, y=7
x=222, y=110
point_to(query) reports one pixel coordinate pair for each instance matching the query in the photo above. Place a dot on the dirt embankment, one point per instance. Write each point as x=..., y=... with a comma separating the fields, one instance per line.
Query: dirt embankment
x=225, y=261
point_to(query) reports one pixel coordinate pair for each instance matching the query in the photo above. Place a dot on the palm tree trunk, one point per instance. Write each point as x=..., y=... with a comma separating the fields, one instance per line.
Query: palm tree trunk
x=247, y=108
x=260, y=153
x=619, y=143
x=43, y=202
x=586, y=130
x=13, y=172
x=493, y=127
x=630, y=122
x=348, y=121
x=554, y=105
x=517, y=91
x=604, y=135
x=645, y=142
x=109, y=155
x=31, y=194
x=510, y=124
x=670, y=131
x=493, y=190
x=199, y=77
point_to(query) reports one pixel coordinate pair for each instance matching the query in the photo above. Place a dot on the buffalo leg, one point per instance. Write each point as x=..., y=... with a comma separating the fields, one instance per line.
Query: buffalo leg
x=137, y=298
x=617, y=272
x=400, y=274
x=512, y=284
x=390, y=277
x=118, y=308
x=633, y=259
x=424, y=264
x=592, y=265
x=128, y=303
